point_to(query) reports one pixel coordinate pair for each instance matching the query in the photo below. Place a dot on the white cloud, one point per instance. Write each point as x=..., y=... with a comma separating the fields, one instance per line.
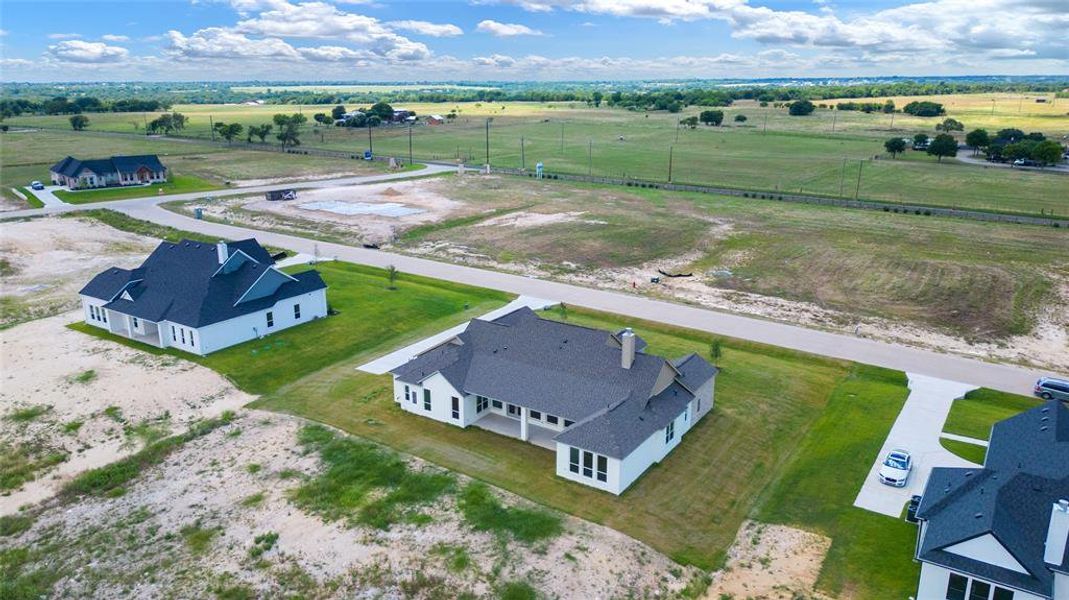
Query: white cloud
x=505, y=29
x=64, y=36
x=427, y=28
x=115, y=38
x=77, y=51
x=333, y=54
x=217, y=42
x=3, y=32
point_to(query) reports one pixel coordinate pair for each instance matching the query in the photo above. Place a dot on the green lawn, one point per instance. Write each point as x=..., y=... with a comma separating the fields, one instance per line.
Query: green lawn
x=871, y=555
x=973, y=415
x=176, y=184
x=971, y=452
x=368, y=316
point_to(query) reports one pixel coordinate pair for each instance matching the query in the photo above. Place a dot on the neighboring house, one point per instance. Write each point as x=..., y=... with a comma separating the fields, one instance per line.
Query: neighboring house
x=203, y=297
x=435, y=120
x=608, y=409
x=1001, y=532
x=117, y=170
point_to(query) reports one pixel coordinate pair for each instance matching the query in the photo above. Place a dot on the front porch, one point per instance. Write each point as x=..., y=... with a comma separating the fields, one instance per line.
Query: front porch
x=136, y=329
x=510, y=427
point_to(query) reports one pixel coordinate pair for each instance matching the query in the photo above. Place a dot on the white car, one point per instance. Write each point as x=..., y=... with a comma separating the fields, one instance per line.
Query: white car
x=896, y=467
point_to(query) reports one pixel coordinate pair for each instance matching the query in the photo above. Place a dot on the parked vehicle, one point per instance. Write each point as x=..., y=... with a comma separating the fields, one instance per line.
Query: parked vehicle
x=1052, y=388
x=896, y=467
x=37, y=185
x=911, y=510
x=1025, y=162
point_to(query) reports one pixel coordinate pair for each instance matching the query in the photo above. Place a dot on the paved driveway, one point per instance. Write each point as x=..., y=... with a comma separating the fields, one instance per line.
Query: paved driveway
x=47, y=196
x=917, y=429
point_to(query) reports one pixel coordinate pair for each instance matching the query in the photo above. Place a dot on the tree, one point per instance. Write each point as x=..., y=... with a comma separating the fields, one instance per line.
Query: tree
x=924, y=108
x=79, y=122
x=338, y=112
x=740, y=118
x=801, y=108
x=178, y=121
x=944, y=144
x=597, y=96
x=889, y=107
x=711, y=117
x=289, y=128
x=260, y=131
x=715, y=351
x=920, y=140
x=164, y=122
x=1009, y=135
x=381, y=109
x=229, y=131
x=949, y=125
x=358, y=119
x=1047, y=152
x=391, y=275
x=895, y=145
x=1021, y=149
x=977, y=138
x=322, y=118
x=690, y=122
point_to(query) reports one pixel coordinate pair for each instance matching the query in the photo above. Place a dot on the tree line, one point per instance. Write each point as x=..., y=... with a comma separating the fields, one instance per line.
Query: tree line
x=62, y=105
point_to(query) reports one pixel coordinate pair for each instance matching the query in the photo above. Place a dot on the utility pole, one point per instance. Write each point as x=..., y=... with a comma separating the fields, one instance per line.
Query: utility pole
x=370, y=146
x=992, y=106
x=842, y=178
x=211, y=127
x=410, y=143
x=523, y=156
x=892, y=121
x=589, y=157
x=670, y=164
x=857, y=191
x=488, y=140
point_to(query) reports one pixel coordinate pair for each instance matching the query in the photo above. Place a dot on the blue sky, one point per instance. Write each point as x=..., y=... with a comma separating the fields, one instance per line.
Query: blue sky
x=371, y=40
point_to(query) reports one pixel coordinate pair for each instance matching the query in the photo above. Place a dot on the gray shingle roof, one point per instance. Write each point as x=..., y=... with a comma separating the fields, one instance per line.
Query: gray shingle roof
x=72, y=167
x=566, y=370
x=179, y=283
x=1026, y=471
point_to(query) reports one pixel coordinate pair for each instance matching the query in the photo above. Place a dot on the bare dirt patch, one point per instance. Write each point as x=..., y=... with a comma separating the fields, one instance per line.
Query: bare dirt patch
x=46, y=261
x=98, y=400
x=525, y=219
x=191, y=524
x=771, y=562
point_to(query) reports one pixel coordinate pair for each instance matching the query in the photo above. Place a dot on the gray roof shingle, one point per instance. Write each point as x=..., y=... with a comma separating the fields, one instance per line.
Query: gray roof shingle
x=179, y=283
x=567, y=370
x=72, y=167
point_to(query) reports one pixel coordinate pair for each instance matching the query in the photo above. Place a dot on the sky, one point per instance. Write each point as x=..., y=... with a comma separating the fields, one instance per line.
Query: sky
x=522, y=40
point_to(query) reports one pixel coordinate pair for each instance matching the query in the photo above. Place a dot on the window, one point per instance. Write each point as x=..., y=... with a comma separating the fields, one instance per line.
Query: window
x=552, y=419
x=191, y=342
x=956, y=587
x=270, y=319
x=183, y=330
x=297, y=311
x=686, y=415
x=979, y=590
x=513, y=410
x=174, y=334
x=670, y=432
x=456, y=407
x=568, y=423
x=537, y=416
x=104, y=315
x=481, y=403
x=1002, y=594
x=136, y=323
x=588, y=464
x=406, y=393
x=573, y=460
x=497, y=404
x=603, y=468
x=426, y=399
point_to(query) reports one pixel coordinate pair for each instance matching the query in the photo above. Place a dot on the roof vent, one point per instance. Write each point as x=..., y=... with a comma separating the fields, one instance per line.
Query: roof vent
x=978, y=515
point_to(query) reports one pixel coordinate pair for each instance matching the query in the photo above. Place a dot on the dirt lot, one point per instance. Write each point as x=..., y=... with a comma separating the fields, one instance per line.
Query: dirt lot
x=97, y=401
x=771, y=562
x=44, y=262
x=208, y=487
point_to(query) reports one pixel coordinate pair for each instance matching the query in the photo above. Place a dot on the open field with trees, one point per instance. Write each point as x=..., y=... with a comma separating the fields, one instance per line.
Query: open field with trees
x=821, y=153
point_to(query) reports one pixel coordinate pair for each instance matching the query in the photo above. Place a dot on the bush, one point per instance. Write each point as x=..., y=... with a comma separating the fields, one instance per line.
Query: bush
x=484, y=512
x=801, y=108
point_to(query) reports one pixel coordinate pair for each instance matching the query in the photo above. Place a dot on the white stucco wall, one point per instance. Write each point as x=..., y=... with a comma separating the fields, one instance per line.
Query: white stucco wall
x=934, y=579
x=251, y=326
x=87, y=314
x=442, y=394
x=612, y=471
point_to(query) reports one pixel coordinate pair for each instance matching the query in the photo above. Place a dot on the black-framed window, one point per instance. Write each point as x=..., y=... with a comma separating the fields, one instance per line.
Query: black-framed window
x=136, y=322
x=552, y=419
x=588, y=464
x=573, y=460
x=537, y=416
x=426, y=399
x=455, y=407
x=191, y=341
x=406, y=393
x=481, y=403
x=297, y=311
x=270, y=319
x=1002, y=594
x=670, y=432
x=174, y=334
x=104, y=315
x=513, y=410
x=497, y=404
x=979, y=590
x=603, y=468
x=182, y=330
x=957, y=585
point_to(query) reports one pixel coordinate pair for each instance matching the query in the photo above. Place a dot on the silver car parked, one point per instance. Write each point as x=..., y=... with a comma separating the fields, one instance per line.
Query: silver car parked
x=1051, y=388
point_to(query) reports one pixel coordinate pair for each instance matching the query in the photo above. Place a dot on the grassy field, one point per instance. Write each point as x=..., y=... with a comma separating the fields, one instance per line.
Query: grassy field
x=971, y=452
x=176, y=184
x=821, y=153
x=981, y=280
x=367, y=313
x=973, y=415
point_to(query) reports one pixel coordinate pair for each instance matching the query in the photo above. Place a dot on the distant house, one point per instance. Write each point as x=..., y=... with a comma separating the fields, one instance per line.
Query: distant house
x=1001, y=532
x=607, y=409
x=201, y=297
x=435, y=120
x=117, y=170
x=400, y=115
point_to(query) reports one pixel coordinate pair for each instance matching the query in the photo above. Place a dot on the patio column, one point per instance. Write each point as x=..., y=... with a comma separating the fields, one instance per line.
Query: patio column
x=129, y=326
x=523, y=423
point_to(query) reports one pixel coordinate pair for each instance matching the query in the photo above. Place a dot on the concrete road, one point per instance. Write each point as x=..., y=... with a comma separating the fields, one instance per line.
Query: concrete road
x=917, y=430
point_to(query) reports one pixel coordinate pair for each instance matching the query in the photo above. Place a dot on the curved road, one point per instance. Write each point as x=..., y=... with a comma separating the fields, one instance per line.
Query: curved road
x=1004, y=377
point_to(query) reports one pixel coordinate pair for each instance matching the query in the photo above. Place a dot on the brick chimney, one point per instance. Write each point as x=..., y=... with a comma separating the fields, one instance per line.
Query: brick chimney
x=1057, y=533
x=222, y=251
x=627, y=348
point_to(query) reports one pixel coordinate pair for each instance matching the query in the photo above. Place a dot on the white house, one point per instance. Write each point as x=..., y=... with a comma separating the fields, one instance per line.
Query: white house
x=606, y=408
x=117, y=170
x=201, y=297
x=1001, y=532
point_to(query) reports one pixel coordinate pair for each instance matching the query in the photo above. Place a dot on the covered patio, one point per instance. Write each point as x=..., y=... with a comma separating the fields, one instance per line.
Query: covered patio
x=509, y=427
x=123, y=325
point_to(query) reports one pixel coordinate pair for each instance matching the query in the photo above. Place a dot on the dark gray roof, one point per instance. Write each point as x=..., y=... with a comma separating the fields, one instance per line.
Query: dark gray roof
x=182, y=283
x=72, y=167
x=567, y=370
x=1025, y=473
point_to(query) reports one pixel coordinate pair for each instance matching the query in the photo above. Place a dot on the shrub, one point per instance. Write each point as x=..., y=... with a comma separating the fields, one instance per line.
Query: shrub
x=484, y=512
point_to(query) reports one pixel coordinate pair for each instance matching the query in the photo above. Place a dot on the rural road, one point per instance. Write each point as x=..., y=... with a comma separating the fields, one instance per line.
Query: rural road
x=1004, y=377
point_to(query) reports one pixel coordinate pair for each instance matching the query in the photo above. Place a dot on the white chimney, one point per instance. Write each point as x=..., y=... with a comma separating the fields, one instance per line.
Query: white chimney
x=627, y=348
x=222, y=251
x=1057, y=533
